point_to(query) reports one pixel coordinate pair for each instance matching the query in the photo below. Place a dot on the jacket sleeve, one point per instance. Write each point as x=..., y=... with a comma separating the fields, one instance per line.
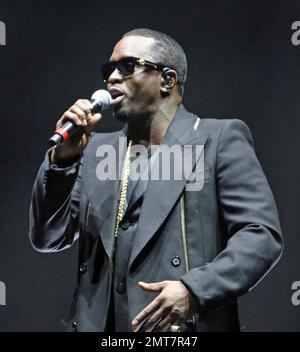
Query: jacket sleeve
x=54, y=209
x=249, y=214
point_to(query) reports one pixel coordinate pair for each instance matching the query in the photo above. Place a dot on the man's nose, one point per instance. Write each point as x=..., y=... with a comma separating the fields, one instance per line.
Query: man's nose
x=115, y=77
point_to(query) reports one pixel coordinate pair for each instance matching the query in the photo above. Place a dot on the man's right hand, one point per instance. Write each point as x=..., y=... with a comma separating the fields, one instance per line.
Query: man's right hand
x=80, y=114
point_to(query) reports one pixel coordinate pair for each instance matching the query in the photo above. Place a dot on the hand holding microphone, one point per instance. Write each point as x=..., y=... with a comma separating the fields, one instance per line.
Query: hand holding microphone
x=76, y=124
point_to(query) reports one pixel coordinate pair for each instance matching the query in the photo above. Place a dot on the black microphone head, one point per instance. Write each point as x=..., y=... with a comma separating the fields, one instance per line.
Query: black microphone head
x=101, y=100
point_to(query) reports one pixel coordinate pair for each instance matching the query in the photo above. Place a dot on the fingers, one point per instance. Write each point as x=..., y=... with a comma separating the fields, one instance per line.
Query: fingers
x=163, y=323
x=80, y=114
x=150, y=323
x=69, y=116
x=169, y=307
x=92, y=121
x=168, y=316
x=84, y=104
x=171, y=320
x=160, y=320
x=146, y=312
x=153, y=287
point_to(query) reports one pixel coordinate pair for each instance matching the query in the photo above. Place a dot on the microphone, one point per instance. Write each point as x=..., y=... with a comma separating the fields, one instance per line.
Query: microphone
x=101, y=100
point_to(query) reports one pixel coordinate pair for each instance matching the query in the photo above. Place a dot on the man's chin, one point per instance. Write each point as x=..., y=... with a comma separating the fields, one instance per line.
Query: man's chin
x=121, y=114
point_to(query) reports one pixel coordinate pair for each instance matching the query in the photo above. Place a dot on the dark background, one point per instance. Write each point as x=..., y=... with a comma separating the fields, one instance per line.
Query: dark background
x=241, y=64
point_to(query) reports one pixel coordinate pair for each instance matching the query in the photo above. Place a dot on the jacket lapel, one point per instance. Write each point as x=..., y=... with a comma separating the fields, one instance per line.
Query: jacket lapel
x=103, y=195
x=161, y=195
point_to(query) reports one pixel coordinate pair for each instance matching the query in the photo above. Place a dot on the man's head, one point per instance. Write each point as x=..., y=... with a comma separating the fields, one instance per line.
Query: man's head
x=145, y=86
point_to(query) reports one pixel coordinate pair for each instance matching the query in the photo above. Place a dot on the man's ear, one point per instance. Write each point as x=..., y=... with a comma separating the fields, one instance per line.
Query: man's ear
x=168, y=80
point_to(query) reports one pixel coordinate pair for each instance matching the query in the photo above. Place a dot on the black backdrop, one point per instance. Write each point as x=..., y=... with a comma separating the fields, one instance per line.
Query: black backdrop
x=241, y=64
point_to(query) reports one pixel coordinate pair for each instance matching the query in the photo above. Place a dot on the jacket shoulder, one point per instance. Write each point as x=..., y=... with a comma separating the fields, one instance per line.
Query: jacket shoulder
x=217, y=124
x=227, y=130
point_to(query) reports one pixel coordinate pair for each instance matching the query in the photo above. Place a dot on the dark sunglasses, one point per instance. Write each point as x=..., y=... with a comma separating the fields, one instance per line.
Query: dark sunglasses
x=126, y=66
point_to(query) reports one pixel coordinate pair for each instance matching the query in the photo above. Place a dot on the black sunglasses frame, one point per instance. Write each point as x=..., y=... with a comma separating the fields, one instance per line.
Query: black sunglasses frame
x=108, y=68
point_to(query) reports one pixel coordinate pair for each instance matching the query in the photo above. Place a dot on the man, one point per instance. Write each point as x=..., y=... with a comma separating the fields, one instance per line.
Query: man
x=155, y=255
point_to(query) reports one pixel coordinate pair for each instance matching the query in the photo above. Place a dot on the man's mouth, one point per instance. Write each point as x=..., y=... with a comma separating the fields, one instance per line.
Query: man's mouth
x=117, y=100
x=117, y=95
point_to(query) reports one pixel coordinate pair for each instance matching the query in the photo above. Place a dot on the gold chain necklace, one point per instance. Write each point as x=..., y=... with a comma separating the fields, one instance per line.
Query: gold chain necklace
x=124, y=184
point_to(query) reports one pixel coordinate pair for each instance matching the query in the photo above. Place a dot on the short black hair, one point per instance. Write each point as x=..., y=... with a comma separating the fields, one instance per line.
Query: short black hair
x=166, y=51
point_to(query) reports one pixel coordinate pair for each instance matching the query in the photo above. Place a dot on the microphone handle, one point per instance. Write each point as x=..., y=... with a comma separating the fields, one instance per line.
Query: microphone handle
x=62, y=133
x=68, y=128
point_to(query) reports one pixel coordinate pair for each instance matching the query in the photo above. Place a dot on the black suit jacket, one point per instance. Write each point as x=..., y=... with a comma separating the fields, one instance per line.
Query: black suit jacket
x=219, y=240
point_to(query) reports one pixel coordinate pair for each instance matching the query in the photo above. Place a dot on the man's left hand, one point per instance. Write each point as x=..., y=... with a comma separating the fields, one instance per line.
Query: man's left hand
x=172, y=306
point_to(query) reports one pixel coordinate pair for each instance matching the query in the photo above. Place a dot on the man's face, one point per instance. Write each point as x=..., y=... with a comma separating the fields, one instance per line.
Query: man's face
x=141, y=90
